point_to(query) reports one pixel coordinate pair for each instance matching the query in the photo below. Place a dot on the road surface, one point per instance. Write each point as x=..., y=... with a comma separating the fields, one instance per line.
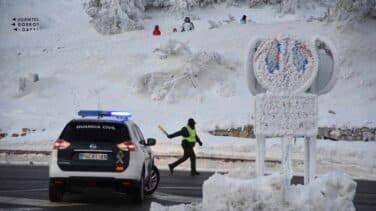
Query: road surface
x=26, y=187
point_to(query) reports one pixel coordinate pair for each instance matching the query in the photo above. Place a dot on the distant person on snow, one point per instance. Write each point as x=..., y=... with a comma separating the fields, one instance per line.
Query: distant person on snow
x=243, y=20
x=187, y=25
x=156, y=31
x=174, y=30
x=189, y=140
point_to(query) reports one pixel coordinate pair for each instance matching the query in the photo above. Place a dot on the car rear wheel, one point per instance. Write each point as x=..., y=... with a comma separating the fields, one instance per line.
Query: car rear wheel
x=138, y=194
x=55, y=194
x=153, y=182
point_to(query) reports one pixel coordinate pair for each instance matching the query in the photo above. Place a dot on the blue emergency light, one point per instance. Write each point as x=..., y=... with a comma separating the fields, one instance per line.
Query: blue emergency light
x=123, y=115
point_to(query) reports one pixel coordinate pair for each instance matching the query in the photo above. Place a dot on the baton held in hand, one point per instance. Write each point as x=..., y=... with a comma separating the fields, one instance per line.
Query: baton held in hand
x=163, y=130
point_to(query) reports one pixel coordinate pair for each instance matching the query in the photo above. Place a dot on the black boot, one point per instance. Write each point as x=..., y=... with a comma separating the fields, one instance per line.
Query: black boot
x=195, y=173
x=171, y=169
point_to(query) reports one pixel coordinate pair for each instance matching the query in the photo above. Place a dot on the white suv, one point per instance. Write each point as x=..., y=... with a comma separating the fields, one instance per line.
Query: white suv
x=108, y=151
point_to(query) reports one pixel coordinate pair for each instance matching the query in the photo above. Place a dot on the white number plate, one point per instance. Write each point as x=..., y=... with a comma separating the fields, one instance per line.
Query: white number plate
x=92, y=156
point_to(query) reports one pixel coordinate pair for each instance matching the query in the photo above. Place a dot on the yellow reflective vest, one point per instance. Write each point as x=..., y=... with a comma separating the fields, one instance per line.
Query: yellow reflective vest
x=192, y=135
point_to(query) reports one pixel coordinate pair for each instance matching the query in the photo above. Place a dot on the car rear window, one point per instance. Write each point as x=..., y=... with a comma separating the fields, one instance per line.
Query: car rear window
x=95, y=131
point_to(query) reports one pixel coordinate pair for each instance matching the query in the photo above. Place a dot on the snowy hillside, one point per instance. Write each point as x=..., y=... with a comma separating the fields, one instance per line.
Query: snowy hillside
x=82, y=69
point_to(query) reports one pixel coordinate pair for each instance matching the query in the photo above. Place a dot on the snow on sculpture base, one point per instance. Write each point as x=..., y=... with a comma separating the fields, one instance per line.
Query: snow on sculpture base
x=282, y=115
x=332, y=191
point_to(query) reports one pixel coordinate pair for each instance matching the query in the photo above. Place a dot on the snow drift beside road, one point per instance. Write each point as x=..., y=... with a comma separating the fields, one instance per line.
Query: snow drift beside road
x=334, y=191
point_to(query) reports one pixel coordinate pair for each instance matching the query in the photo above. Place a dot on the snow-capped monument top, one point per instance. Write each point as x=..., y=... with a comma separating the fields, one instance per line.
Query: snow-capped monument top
x=289, y=65
x=285, y=65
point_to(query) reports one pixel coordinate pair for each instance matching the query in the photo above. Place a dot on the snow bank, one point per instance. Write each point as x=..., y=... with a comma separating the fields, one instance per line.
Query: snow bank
x=333, y=191
x=182, y=207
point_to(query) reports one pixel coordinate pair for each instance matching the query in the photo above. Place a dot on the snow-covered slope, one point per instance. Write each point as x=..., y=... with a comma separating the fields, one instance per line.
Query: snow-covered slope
x=81, y=69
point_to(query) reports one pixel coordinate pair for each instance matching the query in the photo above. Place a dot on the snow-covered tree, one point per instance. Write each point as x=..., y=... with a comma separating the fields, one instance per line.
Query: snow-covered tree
x=289, y=6
x=349, y=10
x=182, y=5
x=257, y=3
x=115, y=16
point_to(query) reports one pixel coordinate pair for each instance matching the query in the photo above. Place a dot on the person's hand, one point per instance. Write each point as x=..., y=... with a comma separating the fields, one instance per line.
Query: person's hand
x=168, y=136
x=200, y=143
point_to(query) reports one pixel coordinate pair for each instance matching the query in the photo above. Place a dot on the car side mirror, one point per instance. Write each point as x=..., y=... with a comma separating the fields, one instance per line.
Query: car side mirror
x=151, y=141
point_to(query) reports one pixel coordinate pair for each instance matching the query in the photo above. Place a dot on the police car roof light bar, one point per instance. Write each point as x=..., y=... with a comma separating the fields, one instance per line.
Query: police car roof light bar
x=123, y=115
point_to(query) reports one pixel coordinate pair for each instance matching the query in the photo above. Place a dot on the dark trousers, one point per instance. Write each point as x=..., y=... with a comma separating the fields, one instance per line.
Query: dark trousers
x=188, y=153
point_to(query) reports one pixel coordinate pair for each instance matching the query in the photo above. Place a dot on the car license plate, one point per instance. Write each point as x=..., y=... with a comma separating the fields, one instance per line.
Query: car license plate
x=92, y=156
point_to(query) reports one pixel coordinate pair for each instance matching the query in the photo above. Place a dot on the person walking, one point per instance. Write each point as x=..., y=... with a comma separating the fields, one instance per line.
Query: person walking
x=156, y=31
x=189, y=140
x=187, y=25
x=243, y=20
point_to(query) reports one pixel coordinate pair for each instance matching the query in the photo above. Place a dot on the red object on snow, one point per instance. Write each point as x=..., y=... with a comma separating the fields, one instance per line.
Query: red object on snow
x=156, y=31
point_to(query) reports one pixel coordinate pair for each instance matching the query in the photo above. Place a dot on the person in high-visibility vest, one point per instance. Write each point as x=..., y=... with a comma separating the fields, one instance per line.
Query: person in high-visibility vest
x=189, y=140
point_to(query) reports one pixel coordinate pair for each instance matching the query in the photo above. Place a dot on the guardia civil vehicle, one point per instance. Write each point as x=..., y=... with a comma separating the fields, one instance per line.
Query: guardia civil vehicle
x=102, y=149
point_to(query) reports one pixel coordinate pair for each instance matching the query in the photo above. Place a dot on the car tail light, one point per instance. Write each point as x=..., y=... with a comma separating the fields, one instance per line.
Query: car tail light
x=126, y=146
x=126, y=184
x=58, y=182
x=119, y=168
x=61, y=144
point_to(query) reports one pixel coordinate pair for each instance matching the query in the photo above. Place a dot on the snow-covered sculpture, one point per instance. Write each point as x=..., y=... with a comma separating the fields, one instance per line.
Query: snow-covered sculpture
x=322, y=84
x=286, y=74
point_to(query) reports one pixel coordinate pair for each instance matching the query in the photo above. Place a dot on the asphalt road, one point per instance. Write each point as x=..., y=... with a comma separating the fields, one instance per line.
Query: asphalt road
x=26, y=188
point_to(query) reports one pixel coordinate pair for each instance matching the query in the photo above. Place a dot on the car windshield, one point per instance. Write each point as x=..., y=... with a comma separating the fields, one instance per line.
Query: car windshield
x=95, y=131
